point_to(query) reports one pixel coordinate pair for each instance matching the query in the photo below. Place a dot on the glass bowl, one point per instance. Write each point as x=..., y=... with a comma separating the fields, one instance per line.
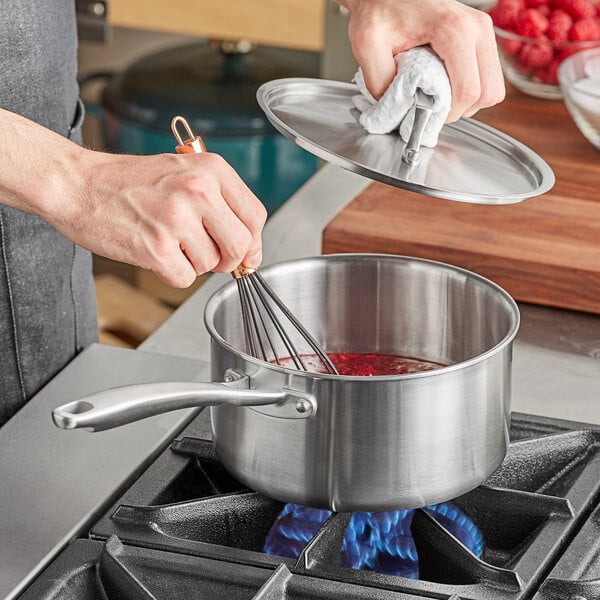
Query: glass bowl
x=531, y=65
x=579, y=78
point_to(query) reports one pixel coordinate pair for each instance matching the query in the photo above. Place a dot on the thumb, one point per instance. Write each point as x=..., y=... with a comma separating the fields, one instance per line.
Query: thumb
x=253, y=257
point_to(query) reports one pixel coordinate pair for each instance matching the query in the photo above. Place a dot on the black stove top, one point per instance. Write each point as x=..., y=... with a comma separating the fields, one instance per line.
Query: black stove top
x=187, y=529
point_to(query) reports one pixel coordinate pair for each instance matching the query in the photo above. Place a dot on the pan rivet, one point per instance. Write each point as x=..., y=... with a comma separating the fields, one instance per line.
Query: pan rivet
x=302, y=406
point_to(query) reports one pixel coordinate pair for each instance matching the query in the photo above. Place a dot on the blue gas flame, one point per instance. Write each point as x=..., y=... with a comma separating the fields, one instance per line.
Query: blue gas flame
x=373, y=541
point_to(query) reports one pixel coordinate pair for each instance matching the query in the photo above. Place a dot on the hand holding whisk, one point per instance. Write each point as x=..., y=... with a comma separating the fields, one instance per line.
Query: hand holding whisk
x=260, y=305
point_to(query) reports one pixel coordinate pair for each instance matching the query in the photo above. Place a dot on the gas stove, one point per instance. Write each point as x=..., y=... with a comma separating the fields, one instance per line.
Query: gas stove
x=185, y=528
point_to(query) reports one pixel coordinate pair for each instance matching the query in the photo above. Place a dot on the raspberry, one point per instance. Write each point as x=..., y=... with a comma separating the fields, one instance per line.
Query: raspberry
x=551, y=75
x=565, y=53
x=505, y=13
x=558, y=26
x=536, y=3
x=531, y=23
x=578, y=9
x=539, y=75
x=585, y=30
x=547, y=74
x=544, y=10
x=510, y=47
x=536, y=55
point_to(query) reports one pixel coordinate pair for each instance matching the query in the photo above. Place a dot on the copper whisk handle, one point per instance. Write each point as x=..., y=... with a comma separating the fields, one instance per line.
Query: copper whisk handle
x=242, y=271
x=193, y=144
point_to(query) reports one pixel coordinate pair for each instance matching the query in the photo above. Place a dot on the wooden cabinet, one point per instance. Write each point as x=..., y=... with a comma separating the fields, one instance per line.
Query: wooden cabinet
x=288, y=23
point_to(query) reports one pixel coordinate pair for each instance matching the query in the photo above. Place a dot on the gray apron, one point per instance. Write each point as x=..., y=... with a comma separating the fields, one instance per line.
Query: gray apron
x=47, y=302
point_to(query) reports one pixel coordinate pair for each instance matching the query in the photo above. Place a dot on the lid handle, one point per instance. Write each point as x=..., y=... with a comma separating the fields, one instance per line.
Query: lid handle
x=423, y=108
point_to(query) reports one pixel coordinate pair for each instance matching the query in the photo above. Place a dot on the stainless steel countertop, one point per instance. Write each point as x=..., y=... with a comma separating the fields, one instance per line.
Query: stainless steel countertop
x=53, y=482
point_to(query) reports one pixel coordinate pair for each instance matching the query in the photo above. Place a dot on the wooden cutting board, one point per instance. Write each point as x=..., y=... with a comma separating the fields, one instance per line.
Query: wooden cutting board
x=544, y=251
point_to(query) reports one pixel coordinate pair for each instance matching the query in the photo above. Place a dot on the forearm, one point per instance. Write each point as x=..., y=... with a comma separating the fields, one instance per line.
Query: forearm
x=178, y=215
x=39, y=171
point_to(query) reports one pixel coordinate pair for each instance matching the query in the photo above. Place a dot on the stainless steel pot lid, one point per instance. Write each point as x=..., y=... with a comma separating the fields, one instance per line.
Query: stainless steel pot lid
x=471, y=163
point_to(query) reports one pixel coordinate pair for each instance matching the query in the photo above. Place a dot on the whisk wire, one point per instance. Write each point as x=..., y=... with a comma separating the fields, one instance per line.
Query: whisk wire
x=294, y=321
x=251, y=316
x=283, y=335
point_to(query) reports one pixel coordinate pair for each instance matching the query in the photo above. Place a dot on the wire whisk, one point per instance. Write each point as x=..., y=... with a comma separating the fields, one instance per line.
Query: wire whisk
x=264, y=332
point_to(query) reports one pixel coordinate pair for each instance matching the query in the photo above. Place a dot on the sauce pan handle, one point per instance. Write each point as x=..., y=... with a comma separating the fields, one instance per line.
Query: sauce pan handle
x=121, y=405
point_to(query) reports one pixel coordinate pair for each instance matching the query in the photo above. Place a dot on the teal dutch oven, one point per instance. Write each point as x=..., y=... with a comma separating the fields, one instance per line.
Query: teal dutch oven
x=214, y=87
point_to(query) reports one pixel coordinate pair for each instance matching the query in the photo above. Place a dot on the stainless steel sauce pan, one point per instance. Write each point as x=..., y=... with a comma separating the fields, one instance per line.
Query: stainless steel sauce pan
x=351, y=443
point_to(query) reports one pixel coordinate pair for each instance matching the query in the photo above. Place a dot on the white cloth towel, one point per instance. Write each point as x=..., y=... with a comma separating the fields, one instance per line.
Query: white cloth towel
x=416, y=68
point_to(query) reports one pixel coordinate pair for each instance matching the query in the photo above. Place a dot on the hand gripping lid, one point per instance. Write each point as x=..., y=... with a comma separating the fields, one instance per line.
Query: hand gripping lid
x=472, y=162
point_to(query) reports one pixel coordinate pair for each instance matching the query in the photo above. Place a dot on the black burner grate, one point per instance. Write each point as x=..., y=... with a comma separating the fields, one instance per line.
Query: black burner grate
x=90, y=570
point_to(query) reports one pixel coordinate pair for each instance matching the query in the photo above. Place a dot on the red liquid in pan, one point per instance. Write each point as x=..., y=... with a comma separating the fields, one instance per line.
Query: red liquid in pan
x=364, y=364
